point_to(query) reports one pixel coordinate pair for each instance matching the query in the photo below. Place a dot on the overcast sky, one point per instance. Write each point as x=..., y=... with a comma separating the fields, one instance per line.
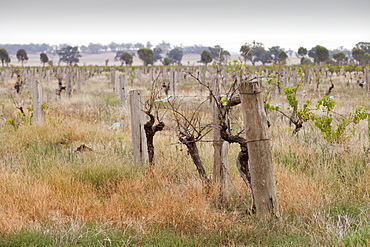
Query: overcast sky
x=229, y=23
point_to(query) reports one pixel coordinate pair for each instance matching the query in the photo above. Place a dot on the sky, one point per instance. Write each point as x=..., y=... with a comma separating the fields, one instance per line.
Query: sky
x=289, y=24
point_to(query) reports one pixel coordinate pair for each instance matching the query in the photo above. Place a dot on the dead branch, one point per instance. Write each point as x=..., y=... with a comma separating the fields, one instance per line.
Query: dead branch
x=190, y=132
x=150, y=130
x=330, y=89
x=242, y=161
x=61, y=87
x=82, y=148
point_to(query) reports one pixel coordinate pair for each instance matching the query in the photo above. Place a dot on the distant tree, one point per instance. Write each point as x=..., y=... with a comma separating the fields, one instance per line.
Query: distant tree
x=4, y=56
x=118, y=56
x=319, y=54
x=224, y=56
x=94, y=48
x=30, y=48
x=312, y=54
x=52, y=50
x=157, y=54
x=167, y=61
x=105, y=48
x=206, y=57
x=84, y=49
x=290, y=52
x=44, y=58
x=260, y=54
x=146, y=55
x=275, y=52
x=113, y=46
x=340, y=57
x=322, y=54
x=282, y=56
x=302, y=52
x=219, y=55
x=367, y=58
x=305, y=60
x=165, y=46
x=69, y=55
x=127, y=58
x=364, y=46
x=245, y=52
x=215, y=52
x=22, y=56
x=176, y=55
x=359, y=55
x=195, y=49
x=138, y=45
x=148, y=45
x=347, y=53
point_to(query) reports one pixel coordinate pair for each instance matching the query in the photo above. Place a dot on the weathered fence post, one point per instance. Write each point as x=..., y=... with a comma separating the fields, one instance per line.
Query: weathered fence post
x=37, y=101
x=173, y=83
x=220, y=147
x=295, y=77
x=47, y=77
x=367, y=78
x=113, y=77
x=123, y=90
x=164, y=74
x=30, y=78
x=7, y=73
x=137, y=103
x=259, y=149
x=151, y=75
x=116, y=82
x=285, y=78
x=69, y=82
x=139, y=75
x=2, y=78
x=78, y=79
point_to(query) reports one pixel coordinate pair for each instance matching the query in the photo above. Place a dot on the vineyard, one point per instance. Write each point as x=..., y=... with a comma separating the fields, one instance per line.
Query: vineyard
x=153, y=156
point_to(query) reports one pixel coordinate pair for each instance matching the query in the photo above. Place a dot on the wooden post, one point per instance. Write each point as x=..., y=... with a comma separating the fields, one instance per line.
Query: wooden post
x=112, y=76
x=285, y=78
x=259, y=149
x=295, y=77
x=151, y=75
x=78, y=79
x=173, y=82
x=164, y=74
x=41, y=73
x=220, y=147
x=47, y=77
x=30, y=78
x=123, y=90
x=116, y=85
x=7, y=73
x=137, y=127
x=2, y=78
x=306, y=76
x=69, y=79
x=139, y=77
x=367, y=78
x=37, y=101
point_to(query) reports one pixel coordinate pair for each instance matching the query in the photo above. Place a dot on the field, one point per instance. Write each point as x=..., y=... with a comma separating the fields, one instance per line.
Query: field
x=53, y=195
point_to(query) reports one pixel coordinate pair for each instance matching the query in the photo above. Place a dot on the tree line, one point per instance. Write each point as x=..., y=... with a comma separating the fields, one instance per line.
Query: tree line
x=254, y=53
x=96, y=48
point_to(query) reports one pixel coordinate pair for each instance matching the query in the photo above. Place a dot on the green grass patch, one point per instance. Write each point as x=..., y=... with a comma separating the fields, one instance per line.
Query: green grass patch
x=73, y=234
